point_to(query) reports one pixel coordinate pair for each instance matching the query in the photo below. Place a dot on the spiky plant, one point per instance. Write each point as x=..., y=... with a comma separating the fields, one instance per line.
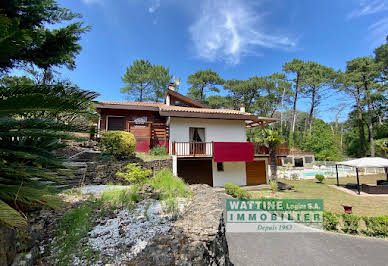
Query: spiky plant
x=270, y=139
x=29, y=133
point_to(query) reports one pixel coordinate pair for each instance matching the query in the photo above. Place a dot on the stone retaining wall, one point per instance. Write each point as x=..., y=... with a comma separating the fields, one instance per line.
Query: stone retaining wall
x=197, y=238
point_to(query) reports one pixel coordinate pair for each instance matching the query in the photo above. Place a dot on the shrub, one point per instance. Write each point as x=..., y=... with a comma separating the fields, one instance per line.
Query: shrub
x=376, y=226
x=294, y=176
x=236, y=192
x=134, y=173
x=351, y=223
x=170, y=205
x=273, y=185
x=158, y=151
x=171, y=185
x=320, y=178
x=120, y=144
x=330, y=221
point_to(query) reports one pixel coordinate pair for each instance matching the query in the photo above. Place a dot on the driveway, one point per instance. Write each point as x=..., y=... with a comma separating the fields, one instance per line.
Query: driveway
x=305, y=249
x=309, y=248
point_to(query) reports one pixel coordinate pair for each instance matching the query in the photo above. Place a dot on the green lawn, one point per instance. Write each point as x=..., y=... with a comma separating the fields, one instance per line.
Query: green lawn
x=334, y=198
x=145, y=156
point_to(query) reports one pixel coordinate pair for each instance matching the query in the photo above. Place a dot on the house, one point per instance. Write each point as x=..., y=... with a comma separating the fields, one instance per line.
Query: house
x=298, y=158
x=207, y=145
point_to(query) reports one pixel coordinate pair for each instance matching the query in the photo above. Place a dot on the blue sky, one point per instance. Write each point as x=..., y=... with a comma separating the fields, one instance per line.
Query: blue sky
x=236, y=38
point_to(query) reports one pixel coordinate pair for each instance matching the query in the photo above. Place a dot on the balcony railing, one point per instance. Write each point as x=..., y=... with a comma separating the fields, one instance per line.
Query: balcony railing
x=200, y=149
x=205, y=149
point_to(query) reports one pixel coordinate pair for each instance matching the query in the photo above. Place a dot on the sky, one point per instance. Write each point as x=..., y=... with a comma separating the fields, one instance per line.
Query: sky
x=236, y=38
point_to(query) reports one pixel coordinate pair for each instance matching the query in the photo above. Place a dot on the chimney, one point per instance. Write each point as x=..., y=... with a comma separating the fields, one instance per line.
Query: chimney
x=242, y=108
x=171, y=86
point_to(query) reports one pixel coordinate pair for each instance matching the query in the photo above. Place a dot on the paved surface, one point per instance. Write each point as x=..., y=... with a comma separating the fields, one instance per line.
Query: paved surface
x=312, y=248
x=305, y=249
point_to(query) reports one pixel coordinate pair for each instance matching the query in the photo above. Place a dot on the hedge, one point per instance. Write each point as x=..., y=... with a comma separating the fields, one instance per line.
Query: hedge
x=120, y=144
x=356, y=225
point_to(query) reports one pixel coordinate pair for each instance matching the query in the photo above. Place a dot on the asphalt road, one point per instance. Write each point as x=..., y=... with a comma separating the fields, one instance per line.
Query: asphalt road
x=305, y=249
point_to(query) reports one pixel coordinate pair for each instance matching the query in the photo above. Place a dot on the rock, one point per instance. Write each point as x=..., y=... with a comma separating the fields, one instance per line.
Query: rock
x=197, y=238
x=84, y=156
x=147, y=188
x=284, y=186
x=28, y=259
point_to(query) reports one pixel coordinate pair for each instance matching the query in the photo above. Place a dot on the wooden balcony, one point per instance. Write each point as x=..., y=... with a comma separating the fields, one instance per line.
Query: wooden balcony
x=192, y=149
x=205, y=149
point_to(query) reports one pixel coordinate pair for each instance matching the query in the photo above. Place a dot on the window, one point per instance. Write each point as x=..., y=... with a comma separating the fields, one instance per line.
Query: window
x=220, y=167
x=308, y=159
x=197, y=134
x=287, y=161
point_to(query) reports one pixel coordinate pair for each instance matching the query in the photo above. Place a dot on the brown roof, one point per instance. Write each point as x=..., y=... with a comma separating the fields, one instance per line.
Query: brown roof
x=177, y=96
x=179, y=111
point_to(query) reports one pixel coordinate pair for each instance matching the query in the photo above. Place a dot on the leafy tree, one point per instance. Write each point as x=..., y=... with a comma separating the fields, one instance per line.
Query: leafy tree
x=297, y=68
x=362, y=72
x=322, y=142
x=316, y=78
x=381, y=57
x=26, y=39
x=145, y=81
x=244, y=92
x=271, y=139
x=28, y=132
x=202, y=81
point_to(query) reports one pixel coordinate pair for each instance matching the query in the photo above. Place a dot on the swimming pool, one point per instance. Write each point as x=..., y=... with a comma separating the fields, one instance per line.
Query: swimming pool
x=315, y=173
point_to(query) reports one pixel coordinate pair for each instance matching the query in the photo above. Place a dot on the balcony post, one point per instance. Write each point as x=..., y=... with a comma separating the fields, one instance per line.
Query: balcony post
x=173, y=148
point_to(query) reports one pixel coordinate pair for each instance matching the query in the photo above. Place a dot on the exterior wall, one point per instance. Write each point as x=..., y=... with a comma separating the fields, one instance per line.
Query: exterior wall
x=142, y=145
x=234, y=172
x=300, y=156
x=215, y=129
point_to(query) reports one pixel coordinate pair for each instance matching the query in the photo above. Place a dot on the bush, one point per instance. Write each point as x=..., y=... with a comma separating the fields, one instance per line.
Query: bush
x=158, y=151
x=134, y=173
x=376, y=226
x=273, y=185
x=120, y=144
x=351, y=223
x=171, y=185
x=236, y=192
x=320, y=178
x=330, y=221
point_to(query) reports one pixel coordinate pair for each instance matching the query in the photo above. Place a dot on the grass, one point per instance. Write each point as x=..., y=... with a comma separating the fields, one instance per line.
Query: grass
x=145, y=156
x=119, y=197
x=170, y=185
x=74, y=225
x=334, y=198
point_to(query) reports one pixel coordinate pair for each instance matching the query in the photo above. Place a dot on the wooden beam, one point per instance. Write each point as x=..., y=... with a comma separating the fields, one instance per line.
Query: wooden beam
x=358, y=182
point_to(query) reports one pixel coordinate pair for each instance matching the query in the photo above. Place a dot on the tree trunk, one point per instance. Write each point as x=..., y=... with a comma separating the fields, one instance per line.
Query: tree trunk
x=294, y=105
x=360, y=124
x=310, y=121
x=273, y=163
x=141, y=94
x=370, y=125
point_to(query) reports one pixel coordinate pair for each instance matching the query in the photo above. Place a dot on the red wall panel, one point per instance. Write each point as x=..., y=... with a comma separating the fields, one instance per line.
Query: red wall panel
x=233, y=151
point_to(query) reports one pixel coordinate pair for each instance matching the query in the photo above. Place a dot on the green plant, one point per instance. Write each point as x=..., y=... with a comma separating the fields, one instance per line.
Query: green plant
x=170, y=185
x=134, y=173
x=320, y=178
x=351, y=223
x=273, y=185
x=376, y=226
x=158, y=151
x=294, y=176
x=119, y=197
x=330, y=221
x=236, y=191
x=36, y=114
x=120, y=144
x=74, y=226
x=170, y=205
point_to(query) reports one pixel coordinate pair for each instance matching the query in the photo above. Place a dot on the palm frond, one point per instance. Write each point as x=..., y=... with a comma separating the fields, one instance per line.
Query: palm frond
x=10, y=216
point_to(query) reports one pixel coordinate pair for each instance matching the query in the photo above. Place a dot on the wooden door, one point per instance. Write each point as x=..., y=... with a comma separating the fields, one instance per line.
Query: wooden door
x=256, y=172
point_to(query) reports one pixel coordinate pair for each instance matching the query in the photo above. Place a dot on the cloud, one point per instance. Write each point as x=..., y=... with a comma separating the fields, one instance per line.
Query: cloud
x=227, y=30
x=379, y=31
x=155, y=4
x=368, y=7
